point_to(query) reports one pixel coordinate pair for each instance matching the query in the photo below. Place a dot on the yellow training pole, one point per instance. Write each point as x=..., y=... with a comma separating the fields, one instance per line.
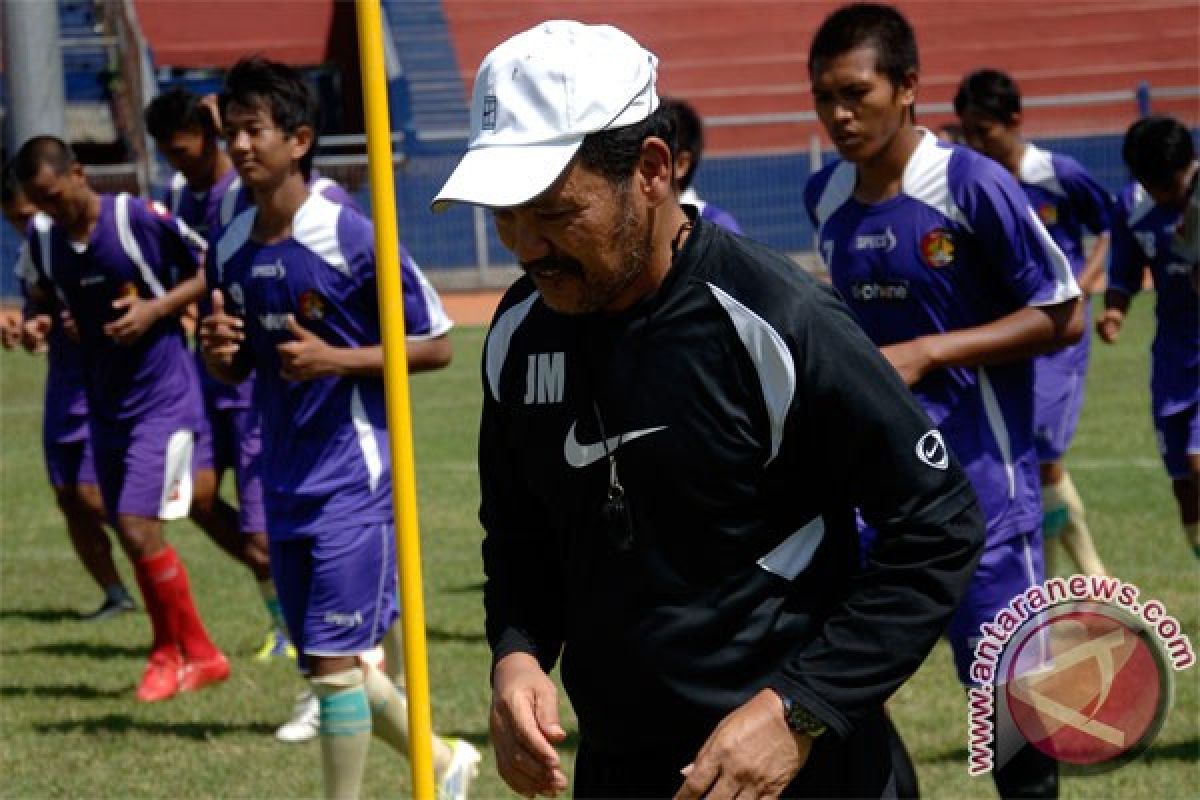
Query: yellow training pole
x=391, y=310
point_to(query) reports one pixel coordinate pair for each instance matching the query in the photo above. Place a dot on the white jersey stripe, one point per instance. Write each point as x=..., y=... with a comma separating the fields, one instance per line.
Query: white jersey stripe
x=366, y=439
x=500, y=337
x=995, y=418
x=795, y=553
x=132, y=249
x=771, y=358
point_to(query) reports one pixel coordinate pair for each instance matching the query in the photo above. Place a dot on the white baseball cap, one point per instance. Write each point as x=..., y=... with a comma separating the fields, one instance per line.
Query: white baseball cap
x=536, y=97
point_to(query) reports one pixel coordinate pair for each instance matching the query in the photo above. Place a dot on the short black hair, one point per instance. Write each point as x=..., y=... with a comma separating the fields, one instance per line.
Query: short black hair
x=615, y=153
x=689, y=136
x=177, y=109
x=989, y=92
x=282, y=90
x=42, y=151
x=867, y=25
x=1156, y=149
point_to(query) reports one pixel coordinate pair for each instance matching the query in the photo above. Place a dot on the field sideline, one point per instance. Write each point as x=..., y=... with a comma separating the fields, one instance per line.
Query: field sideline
x=70, y=728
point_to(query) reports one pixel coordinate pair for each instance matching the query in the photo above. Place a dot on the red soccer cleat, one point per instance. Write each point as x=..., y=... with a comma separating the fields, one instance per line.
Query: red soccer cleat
x=195, y=675
x=160, y=681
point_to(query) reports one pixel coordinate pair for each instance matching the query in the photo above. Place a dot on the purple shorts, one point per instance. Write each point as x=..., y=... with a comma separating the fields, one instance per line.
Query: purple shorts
x=337, y=589
x=1178, y=437
x=1058, y=399
x=232, y=438
x=67, y=448
x=1006, y=570
x=144, y=468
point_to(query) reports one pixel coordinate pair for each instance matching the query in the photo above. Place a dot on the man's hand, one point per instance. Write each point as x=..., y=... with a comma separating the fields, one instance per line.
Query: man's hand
x=911, y=359
x=221, y=335
x=308, y=357
x=752, y=753
x=140, y=315
x=34, y=332
x=524, y=726
x=1109, y=325
x=10, y=329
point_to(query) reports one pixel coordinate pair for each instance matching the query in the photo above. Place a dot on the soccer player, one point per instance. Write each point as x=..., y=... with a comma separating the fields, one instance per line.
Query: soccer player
x=66, y=443
x=1069, y=203
x=689, y=134
x=1156, y=228
x=185, y=131
x=126, y=269
x=951, y=274
x=309, y=325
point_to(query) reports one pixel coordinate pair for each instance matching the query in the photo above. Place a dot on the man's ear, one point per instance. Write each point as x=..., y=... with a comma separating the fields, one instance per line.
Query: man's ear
x=908, y=89
x=655, y=171
x=303, y=140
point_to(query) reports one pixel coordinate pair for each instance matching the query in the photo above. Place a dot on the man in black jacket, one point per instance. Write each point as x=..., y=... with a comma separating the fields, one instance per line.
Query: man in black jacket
x=678, y=425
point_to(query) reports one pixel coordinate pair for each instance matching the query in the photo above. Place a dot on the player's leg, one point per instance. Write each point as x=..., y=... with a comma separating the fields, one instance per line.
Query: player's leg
x=1007, y=568
x=1179, y=444
x=209, y=511
x=150, y=481
x=1058, y=400
x=69, y=465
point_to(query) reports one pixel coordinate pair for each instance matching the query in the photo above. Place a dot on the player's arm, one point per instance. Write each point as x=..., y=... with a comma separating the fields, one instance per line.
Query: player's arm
x=1126, y=266
x=862, y=432
x=1096, y=208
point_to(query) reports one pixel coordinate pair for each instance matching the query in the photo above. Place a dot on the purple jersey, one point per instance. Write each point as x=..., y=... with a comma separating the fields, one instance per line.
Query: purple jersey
x=1142, y=236
x=135, y=248
x=708, y=211
x=958, y=247
x=65, y=414
x=326, y=463
x=202, y=213
x=1069, y=202
x=237, y=199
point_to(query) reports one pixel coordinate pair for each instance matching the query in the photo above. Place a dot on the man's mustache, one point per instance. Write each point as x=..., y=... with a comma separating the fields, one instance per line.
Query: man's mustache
x=560, y=263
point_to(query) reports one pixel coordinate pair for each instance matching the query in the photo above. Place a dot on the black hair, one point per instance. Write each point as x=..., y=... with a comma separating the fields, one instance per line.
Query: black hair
x=989, y=92
x=689, y=136
x=867, y=24
x=1156, y=149
x=42, y=151
x=615, y=153
x=175, y=110
x=282, y=90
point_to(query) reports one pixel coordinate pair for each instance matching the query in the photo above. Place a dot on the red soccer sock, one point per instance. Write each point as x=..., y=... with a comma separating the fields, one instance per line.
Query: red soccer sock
x=170, y=582
x=148, y=572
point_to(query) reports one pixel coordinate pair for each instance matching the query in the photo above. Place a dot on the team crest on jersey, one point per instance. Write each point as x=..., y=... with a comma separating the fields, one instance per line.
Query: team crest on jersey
x=1048, y=213
x=128, y=289
x=311, y=305
x=937, y=248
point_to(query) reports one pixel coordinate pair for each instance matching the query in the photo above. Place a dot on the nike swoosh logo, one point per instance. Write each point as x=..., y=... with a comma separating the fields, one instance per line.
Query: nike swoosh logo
x=581, y=455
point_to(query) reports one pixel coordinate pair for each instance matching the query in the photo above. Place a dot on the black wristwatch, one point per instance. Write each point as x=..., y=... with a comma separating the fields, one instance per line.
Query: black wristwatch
x=800, y=719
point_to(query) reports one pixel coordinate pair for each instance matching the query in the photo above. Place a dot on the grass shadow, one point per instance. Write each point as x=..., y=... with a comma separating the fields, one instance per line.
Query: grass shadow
x=1187, y=750
x=466, y=588
x=76, y=691
x=438, y=635
x=86, y=649
x=125, y=724
x=41, y=614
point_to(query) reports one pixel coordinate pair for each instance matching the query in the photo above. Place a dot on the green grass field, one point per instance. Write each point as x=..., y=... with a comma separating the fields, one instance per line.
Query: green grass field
x=70, y=728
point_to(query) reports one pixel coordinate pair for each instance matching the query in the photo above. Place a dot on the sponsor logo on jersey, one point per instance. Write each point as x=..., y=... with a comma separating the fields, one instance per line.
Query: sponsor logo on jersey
x=937, y=248
x=276, y=270
x=92, y=280
x=158, y=209
x=870, y=291
x=1048, y=213
x=273, y=322
x=128, y=289
x=545, y=378
x=311, y=305
x=885, y=241
x=581, y=455
x=1147, y=242
x=931, y=450
x=342, y=620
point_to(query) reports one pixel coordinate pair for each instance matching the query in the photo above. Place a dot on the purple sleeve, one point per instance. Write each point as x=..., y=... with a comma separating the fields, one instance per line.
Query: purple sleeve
x=334, y=193
x=720, y=216
x=1019, y=247
x=1127, y=262
x=172, y=249
x=812, y=192
x=1090, y=200
x=418, y=319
